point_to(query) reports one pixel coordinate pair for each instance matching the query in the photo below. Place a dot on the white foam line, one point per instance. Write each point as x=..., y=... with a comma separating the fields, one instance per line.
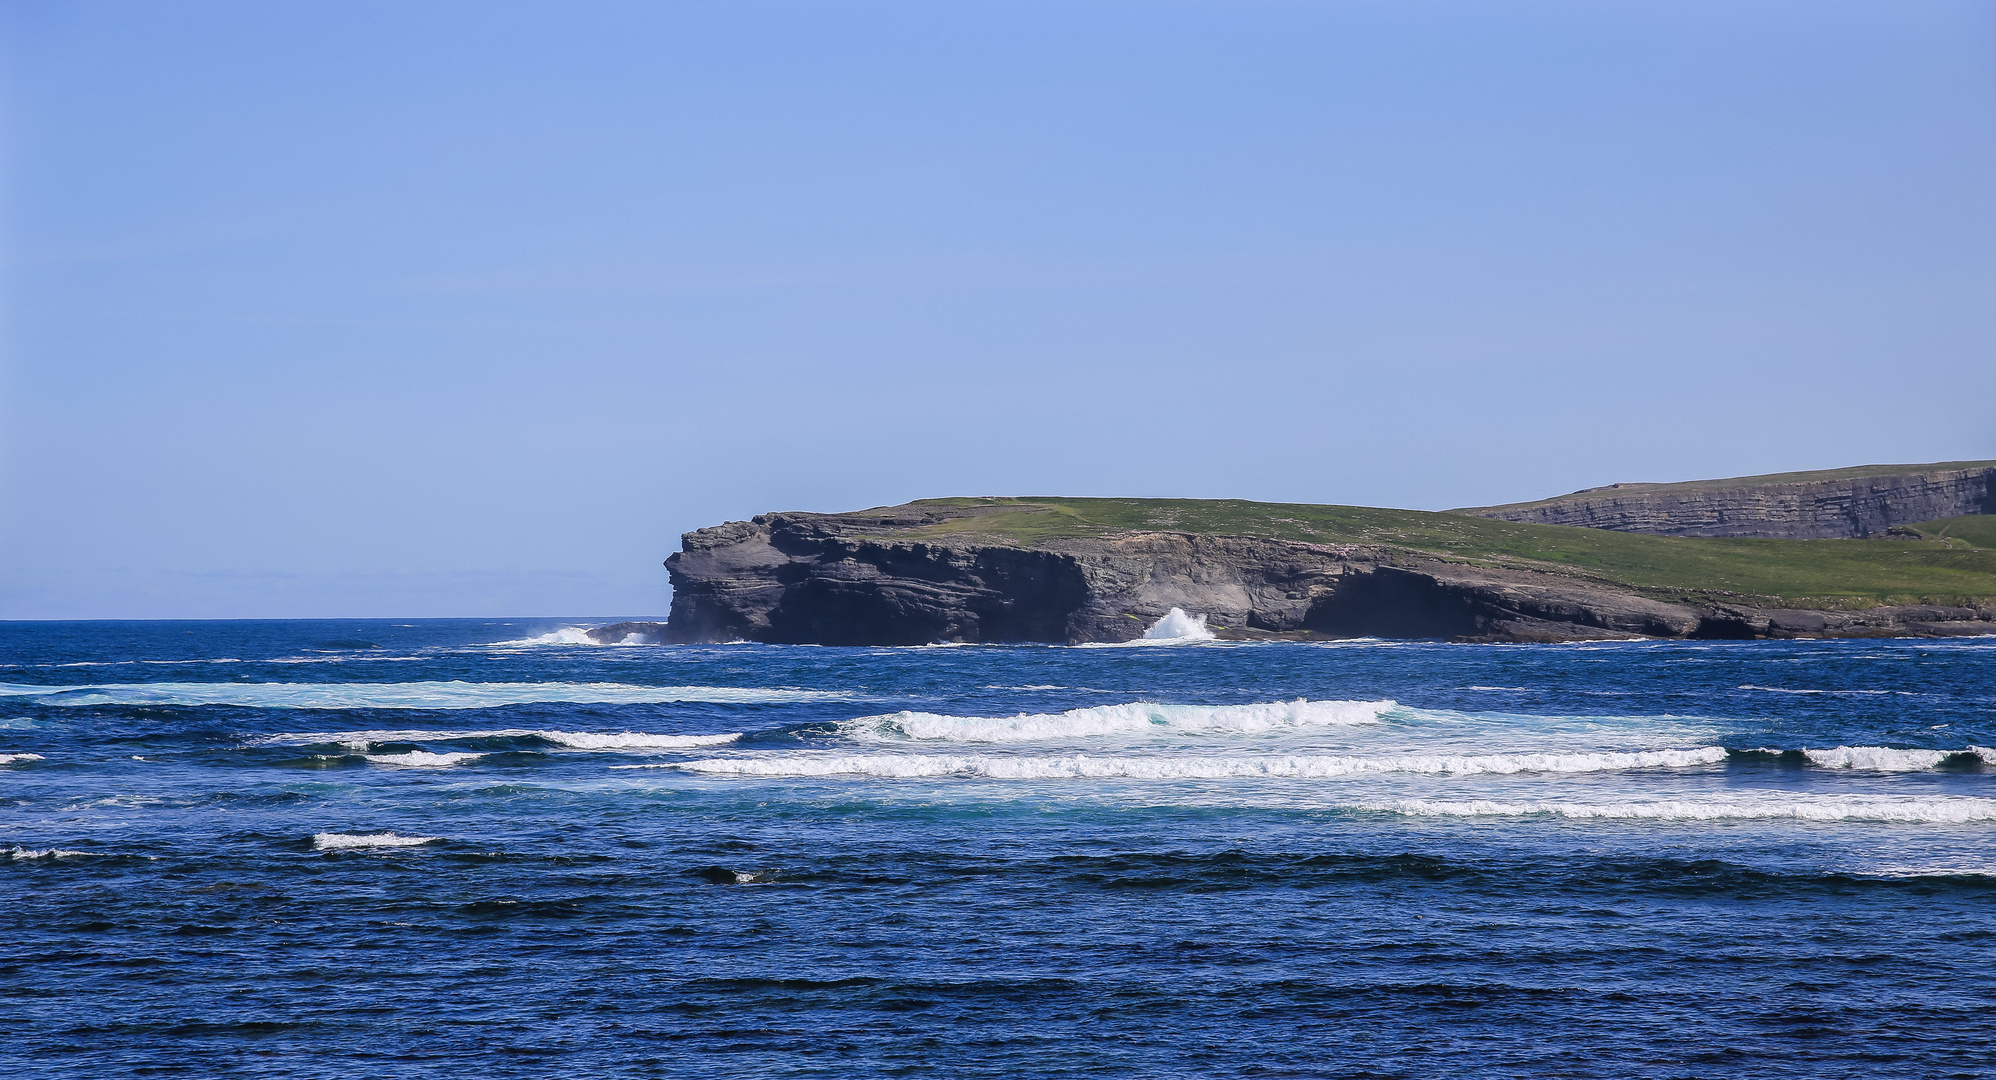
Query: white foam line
x=332, y=841
x=1081, y=766
x=1786, y=690
x=577, y=740
x=404, y=695
x=1798, y=808
x=19, y=759
x=420, y=759
x=1133, y=718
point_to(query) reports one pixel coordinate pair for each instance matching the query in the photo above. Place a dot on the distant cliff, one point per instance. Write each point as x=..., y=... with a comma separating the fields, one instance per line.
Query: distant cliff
x=1103, y=570
x=1836, y=504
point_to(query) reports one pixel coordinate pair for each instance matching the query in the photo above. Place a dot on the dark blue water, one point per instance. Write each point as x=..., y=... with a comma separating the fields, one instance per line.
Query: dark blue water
x=384, y=850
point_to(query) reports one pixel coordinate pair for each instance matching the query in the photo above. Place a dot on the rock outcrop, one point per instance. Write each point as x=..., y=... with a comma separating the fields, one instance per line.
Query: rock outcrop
x=876, y=578
x=1839, y=504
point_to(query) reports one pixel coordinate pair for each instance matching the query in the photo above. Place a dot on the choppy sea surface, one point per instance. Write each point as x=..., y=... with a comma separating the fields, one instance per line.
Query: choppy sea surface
x=480, y=847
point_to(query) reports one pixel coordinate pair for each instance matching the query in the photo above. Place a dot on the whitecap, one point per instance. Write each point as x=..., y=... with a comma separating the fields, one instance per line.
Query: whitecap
x=1081, y=766
x=332, y=841
x=633, y=740
x=456, y=694
x=25, y=854
x=19, y=759
x=1133, y=718
x=570, y=635
x=422, y=759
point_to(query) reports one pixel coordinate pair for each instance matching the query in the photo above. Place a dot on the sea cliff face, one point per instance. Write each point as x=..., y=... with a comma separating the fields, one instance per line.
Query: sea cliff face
x=1867, y=502
x=848, y=579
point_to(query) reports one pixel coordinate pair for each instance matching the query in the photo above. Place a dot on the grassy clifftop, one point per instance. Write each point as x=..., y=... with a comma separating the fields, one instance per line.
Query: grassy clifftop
x=1950, y=561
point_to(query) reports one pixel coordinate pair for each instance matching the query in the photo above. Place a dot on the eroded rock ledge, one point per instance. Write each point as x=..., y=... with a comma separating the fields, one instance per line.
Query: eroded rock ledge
x=1836, y=504
x=847, y=579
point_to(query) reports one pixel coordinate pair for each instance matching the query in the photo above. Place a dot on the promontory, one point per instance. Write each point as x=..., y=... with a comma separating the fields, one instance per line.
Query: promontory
x=1874, y=551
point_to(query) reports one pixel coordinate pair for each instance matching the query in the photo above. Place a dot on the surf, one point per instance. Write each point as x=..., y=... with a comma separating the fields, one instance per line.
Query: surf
x=1146, y=718
x=1086, y=767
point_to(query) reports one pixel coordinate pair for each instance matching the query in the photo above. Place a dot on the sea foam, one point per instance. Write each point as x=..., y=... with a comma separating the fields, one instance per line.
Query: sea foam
x=26, y=854
x=576, y=740
x=455, y=694
x=1931, y=810
x=1178, y=626
x=1133, y=718
x=570, y=635
x=19, y=759
x=1081, y=766
x=332, y=841
x=1175, y=628
x=422, y=759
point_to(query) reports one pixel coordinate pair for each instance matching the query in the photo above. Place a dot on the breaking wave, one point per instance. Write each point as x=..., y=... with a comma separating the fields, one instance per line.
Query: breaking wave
x=1081, y=766
x=572, y=635
x=18, y=759
x=1886, y=759
x=332, y=841
x=422, y=759
x=25, y=854
x=1175, y=628
x=455, y=694
x=1133, y=718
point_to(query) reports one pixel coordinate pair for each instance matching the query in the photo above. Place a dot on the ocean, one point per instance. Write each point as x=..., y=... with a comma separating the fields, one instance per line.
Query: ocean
x=492, y=848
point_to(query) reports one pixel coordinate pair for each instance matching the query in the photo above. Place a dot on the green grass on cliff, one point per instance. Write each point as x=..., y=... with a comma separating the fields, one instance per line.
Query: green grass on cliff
x=1977, y=531
x=1952, y=561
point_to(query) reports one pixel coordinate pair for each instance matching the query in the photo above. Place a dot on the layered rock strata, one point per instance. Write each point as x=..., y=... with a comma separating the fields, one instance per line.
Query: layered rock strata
x=1864, y=502
x=847, y=579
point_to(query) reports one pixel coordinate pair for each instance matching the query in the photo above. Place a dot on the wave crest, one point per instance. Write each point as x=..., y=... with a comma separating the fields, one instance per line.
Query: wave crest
x=332, y=841
x=1133, y=718
x=422, y=759
x=1081, y=766
x=1887, y=759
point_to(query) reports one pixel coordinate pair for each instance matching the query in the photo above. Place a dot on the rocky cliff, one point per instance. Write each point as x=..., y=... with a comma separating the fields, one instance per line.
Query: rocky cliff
x=922, y=573
x=1843, y=503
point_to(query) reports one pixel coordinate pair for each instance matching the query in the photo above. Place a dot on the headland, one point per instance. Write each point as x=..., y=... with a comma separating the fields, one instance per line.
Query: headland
x=1072, y=570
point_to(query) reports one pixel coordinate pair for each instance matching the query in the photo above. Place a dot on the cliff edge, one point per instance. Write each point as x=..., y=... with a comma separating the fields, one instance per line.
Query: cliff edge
x=1833, y=504
x=1104, y=570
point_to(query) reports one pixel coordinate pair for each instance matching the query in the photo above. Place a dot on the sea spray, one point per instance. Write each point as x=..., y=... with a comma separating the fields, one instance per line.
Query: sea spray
x=1178, y=626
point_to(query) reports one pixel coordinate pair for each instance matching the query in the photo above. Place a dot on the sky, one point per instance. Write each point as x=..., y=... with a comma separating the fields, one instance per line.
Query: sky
x=378, y=309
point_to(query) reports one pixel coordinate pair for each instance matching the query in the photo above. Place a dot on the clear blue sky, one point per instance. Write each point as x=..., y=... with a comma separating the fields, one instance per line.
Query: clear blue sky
x=390, y=309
